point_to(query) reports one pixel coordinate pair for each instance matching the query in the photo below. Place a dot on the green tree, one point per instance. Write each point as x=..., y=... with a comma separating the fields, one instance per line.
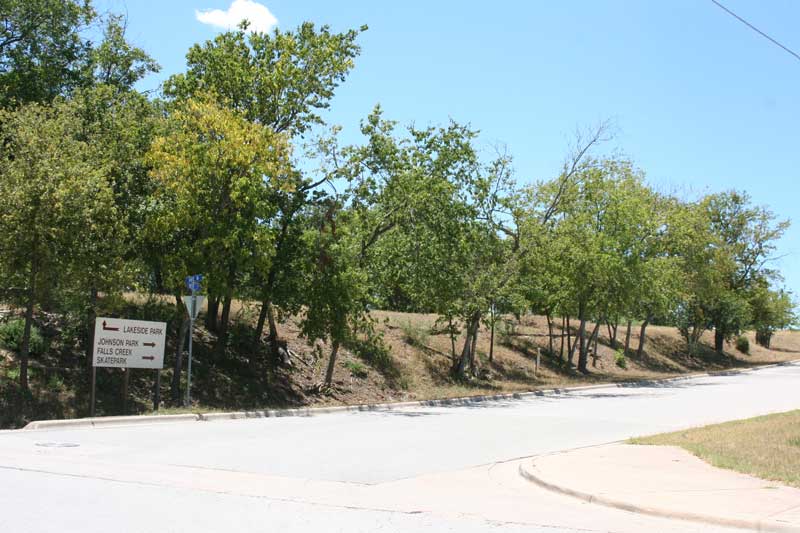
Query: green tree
x=747, y=236
x=215, y=172
x=281, y=80
x=42, y=51
x=55, y=196
x=336, y=290
x=771, y=310
x=116, y=62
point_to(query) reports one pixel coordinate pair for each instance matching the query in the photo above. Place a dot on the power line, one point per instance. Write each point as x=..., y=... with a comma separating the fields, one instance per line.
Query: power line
x=740, y=19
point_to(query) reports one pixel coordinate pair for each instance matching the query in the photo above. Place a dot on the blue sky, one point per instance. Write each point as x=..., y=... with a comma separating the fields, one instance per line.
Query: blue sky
x=700, y=102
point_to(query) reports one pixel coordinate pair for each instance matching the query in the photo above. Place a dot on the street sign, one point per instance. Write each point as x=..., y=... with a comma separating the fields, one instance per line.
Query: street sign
x=121, y=343
x=193, y=282
x=193, y=311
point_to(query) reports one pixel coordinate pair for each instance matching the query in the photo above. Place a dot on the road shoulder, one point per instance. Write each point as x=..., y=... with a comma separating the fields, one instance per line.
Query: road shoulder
x=669, y=482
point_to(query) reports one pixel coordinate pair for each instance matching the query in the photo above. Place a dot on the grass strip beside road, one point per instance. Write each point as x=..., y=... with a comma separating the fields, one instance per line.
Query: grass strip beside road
x=767, y=447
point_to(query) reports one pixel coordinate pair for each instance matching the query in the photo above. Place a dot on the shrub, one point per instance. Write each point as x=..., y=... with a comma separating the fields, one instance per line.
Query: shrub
x=743, y=344
x=357, y=370
x=506, y=332
x=415, y=335
x=374, y=351
x=11, y=337
x=619, y=359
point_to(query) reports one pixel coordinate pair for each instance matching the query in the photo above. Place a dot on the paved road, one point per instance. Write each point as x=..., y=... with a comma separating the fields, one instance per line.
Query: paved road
x=415, y=469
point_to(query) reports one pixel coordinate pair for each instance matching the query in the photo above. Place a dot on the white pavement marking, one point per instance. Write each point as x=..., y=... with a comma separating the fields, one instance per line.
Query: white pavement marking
x=359, y=471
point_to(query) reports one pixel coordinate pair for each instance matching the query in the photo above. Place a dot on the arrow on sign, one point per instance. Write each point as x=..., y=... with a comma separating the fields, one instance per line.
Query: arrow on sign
x=150, y=344
x=148, y=357
x=108, y=328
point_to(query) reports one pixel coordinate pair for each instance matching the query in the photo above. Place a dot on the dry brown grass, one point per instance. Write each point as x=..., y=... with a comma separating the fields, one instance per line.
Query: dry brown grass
x=767, y=446
x=422, y=372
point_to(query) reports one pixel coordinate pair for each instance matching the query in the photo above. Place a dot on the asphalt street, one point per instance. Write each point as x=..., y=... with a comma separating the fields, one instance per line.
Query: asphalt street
x=411, y=469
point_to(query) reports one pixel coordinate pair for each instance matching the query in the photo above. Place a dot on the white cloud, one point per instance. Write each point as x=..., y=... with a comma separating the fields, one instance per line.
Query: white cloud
x=260, y=18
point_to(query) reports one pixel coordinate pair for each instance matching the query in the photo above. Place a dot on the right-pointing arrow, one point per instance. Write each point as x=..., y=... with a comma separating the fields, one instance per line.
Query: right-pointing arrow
x=150, y=344
x=148, y=357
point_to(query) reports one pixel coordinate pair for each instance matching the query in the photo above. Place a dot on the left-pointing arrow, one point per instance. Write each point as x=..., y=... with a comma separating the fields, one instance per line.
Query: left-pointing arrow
x=108, y=328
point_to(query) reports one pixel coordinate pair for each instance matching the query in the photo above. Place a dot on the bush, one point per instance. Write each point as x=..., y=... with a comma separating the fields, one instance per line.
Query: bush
x=506, y=332
x=374, y=351
x=11, y=337
x=619, y=359
x=357, y=370
x=415, y=335
x=743, y=344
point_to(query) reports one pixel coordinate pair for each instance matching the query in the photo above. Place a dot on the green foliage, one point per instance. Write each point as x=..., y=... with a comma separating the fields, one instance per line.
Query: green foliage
x=620, y=360
x=414, y=334
x=105, y=190
x=42, y=52
x=280, y=80
x=116, y=62
x=771, y=311
x=743, y=344
x=506, y=332
x=371, y=348
x=357, y=370
x=11, y=337
x=55, y=383
x=211, y=193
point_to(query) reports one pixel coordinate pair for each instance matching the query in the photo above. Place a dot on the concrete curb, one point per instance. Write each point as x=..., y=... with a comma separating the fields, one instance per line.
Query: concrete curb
x=527, y=471
x=313, y=411
x=108, y=421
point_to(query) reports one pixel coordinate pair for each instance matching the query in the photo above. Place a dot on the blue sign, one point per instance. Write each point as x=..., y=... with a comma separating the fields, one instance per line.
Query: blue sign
x=193, y=282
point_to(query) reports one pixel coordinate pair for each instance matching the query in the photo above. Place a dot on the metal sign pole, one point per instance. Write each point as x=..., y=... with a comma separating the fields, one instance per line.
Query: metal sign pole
x=94, y=387
x=126, y=380
x=157, y=391
x=189, y=367
x=193, y=284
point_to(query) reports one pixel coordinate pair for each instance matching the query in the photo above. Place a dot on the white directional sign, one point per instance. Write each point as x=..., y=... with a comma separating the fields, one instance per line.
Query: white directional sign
x=199, y=300
x=120, y=343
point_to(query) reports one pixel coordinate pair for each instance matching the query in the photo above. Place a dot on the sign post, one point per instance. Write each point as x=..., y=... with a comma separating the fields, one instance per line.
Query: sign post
x=193, y=304
x=121, y=343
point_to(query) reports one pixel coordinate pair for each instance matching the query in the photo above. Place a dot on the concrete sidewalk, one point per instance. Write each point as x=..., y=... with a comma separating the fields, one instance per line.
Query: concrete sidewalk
x=669, y=482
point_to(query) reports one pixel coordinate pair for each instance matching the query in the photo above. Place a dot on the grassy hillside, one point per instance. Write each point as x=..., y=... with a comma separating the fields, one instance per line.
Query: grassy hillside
x=413, y=363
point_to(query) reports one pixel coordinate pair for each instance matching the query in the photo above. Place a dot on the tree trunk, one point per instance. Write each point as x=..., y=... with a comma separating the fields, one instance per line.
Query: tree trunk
x=582, y=340
x=561, y=353
x=627, y=338
x=612, y=334
x=331, y=364
x=582, y=353
x=91, y=317
x=550, y=334
x=222, y=326
x=24, y=351
x=262, y=318
x=640, y=350
x=467, y=356
x=491, y=338
x=764, y=338
x=175, y=388
x=472, y=365
x=452, y=339
x=595, y=335
x=719, y=341
x=272, y=337
x=592, y=344
x=213, y=313
x=570, y=344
